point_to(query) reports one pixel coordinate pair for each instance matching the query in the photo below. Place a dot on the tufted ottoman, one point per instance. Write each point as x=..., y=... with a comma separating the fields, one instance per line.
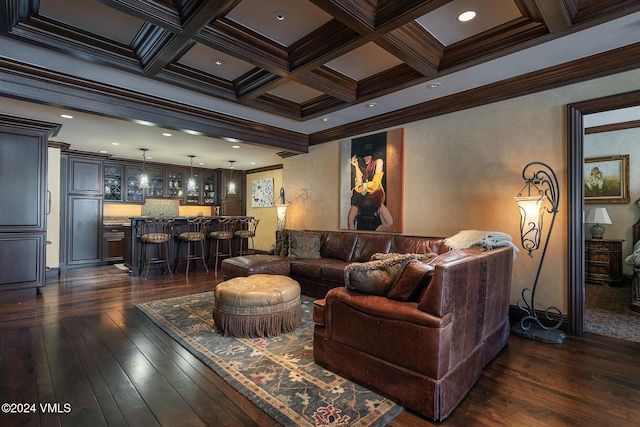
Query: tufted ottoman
x=257, y=306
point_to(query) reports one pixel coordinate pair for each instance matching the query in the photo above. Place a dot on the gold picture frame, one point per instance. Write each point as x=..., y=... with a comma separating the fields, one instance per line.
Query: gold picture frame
x=606, y=179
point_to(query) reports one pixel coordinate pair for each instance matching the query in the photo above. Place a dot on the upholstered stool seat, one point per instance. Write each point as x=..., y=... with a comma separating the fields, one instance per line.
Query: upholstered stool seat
x=257, y=306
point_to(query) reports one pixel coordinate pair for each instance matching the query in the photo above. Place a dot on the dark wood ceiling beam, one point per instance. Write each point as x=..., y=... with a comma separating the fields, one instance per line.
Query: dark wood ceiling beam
x=415, y=46
x=608, y=63
x=198, y=81
x=505, y=39
x=156, y=13
x=331, y=82
x=395, y=13
x=330, y=41
x=74, y=42
x=236, y=40
x=255, y=83
x=272, y=103
x=35, y=84
x=320, y=106
x=397, y=78
x=358, y=15
x=163, y=49
x=14, y=11
x=594, y=11
x=555, y=14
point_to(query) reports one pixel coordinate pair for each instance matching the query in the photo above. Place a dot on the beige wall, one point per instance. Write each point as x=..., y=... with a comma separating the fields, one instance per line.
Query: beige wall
x=462, y=170
x=266, y=231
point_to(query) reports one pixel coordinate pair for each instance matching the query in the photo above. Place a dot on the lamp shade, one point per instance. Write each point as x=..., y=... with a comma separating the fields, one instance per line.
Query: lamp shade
x=530, y=207
x=598, y=216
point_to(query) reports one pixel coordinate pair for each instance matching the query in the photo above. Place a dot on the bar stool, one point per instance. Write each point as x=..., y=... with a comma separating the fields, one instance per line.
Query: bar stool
x=246, y=231
x=155, y=233
x=223, y=234
x=196, y=233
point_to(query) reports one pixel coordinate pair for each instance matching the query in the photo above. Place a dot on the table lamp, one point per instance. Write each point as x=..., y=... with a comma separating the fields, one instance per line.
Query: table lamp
x=597, y=217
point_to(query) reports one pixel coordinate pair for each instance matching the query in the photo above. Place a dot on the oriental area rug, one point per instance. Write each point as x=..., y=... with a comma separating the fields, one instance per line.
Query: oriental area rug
x=277, y=374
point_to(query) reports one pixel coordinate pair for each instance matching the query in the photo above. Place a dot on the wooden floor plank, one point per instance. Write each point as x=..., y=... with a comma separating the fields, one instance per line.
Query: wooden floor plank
x=233, y=404
x=70, y=382
x=168, y=407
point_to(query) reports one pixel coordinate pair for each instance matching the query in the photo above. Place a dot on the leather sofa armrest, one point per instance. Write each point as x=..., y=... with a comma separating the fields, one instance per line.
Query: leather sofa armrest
x=318, y=312
x=382, y=307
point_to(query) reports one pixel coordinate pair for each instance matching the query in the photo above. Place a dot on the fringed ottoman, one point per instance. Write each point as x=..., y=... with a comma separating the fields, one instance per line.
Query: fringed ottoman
x=257, y=306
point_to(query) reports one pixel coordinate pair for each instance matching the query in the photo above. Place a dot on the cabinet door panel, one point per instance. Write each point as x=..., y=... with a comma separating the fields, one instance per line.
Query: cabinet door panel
x=22, y=262
x=85, y=177
x=85, y=221
x=23, y=166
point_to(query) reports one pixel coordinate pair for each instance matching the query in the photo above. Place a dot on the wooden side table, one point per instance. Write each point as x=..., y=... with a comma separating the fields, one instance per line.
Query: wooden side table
x=603, y=261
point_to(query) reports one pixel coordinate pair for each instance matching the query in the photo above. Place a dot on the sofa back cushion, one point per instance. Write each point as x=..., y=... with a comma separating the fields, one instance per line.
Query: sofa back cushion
x=338, y=245
x=418, y=245
x=368, y=244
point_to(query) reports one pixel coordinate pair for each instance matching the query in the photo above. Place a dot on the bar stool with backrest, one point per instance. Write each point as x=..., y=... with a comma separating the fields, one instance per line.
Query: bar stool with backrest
x=224, y=233
x=193, y=237
x=246, y=230
x=155, y=235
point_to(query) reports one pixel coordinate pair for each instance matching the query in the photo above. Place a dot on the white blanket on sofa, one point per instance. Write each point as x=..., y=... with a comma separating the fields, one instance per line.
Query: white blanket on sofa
x=634, y=258
x=488, y=239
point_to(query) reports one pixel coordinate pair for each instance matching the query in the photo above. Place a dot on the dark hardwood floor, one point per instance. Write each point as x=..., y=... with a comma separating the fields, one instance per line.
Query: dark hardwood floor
x=84, y=346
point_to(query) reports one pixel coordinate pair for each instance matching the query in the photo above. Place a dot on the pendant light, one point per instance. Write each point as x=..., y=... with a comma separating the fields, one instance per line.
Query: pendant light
x=191, y=183
x=144, y=178
x=232, y=185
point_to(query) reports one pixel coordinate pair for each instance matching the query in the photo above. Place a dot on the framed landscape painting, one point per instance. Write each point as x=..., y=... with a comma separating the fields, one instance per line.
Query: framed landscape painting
x=606, y=179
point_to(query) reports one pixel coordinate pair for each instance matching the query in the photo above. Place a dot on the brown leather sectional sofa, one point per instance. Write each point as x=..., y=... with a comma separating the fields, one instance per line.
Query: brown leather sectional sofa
x=337, y=249
x=423, y=352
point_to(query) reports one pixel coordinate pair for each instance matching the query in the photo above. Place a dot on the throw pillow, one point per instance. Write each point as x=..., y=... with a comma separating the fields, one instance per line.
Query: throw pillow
x=376, y=277
x=284, y=234
x=412, y=281
x=304, y=245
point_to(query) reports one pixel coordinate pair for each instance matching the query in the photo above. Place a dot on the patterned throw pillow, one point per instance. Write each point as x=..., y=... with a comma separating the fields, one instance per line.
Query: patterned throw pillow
x=304, y=245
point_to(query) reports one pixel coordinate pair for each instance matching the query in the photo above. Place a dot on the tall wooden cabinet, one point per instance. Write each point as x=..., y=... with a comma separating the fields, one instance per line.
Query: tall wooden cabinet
x=82, y=211
x=23, y=195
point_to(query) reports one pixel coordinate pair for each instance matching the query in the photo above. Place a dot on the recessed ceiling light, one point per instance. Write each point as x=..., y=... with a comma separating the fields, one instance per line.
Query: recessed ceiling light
x=235, y=146
x=143, y=122
x=372, y=105
x=466, y=16
x=218, y=61
x=166, y=134
x=230, y=139
x=192, y=132
x=253, y=163
x=115, y=143
x=66, y=116
x=104, y=151
x=201, y=163
x=433, y=85
x=325, y=119
x=279, y=15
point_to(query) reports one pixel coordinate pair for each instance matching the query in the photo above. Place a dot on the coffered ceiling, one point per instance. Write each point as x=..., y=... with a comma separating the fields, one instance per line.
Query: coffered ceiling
x=279, y=75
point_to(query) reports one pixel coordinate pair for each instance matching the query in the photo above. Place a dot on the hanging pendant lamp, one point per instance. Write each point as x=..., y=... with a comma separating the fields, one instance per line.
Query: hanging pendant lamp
x=191, y=182
x=144, y=178
x=232, y=185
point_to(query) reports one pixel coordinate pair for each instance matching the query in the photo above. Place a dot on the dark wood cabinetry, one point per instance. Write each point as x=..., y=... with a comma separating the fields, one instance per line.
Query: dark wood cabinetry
x=603, y=261
x=82, y=225
x=113, y=246
x=23, y=165
x=122, y=184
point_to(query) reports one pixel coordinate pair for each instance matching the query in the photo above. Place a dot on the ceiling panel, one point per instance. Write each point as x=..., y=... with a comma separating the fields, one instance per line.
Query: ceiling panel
x=214, y=62
x=364, y=62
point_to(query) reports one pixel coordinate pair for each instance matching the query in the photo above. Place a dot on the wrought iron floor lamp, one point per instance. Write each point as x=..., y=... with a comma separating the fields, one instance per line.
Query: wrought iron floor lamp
x=540, y=180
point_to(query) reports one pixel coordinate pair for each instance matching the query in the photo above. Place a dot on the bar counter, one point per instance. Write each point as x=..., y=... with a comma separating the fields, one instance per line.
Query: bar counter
x=133, y=246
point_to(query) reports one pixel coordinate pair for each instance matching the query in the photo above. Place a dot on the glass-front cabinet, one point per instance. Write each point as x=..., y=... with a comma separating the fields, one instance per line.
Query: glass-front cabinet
x=193, y=194
x=156, y=183
x=113, y=179
x=122, y=184
x=134, y=193
x=175, y=185
x=209, y=189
